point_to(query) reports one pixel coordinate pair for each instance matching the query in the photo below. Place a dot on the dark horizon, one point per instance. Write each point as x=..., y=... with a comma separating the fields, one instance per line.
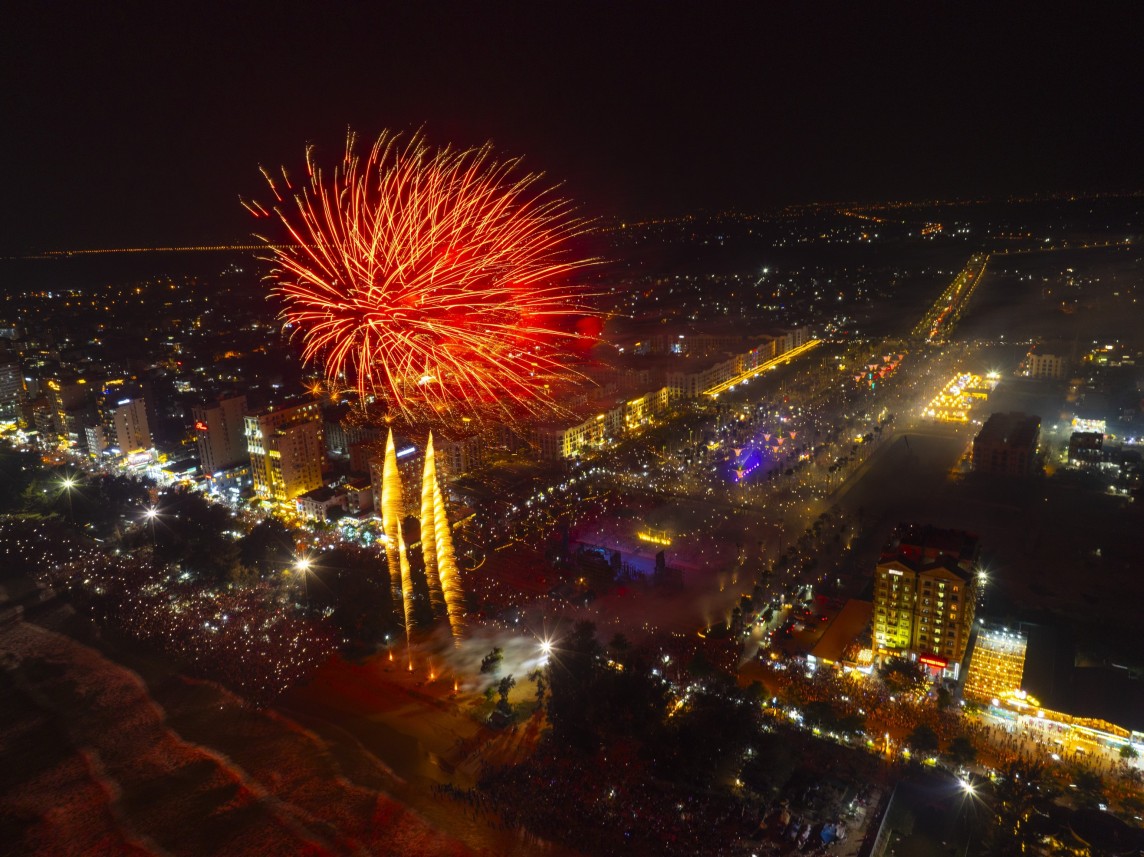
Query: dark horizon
x=142, y=126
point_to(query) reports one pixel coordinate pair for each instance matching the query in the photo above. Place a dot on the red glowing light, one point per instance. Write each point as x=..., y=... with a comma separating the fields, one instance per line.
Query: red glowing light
x=201, y=426
x=431, y=279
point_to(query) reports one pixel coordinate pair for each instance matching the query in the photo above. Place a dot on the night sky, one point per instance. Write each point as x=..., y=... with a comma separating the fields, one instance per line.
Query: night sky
x=140, y=124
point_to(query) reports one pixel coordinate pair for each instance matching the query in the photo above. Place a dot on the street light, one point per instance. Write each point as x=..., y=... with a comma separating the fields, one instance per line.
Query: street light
x=67, y=484
x=150, y=514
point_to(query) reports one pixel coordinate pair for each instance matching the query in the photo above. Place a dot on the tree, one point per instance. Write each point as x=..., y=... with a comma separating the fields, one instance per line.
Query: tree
x=619, y=646
x=572, y=681
x=944, y=698
x=538, y=676
x=268, y=547
x=354, y=584
x=923, y=739
x=772, y=763
x=706, y=740
x=700, y=666
x=1128, y=752
x=491, y=662
x=505, y=685
x=819, y=713
x=193, y=533
x=901, y=675
x=962, y=751
x=1014, y=797
x=851, y=724
x=18, y=473
x=1089, y=788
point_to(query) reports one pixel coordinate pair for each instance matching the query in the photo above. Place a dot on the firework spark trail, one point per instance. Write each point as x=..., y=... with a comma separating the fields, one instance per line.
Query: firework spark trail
x=391, y=513
x=435, y=531
x=430, y=278
x=407, y=592
x=447, y=564
x=429, y=529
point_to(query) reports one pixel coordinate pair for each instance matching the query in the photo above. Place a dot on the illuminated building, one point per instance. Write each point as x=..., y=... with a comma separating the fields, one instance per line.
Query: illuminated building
x=71, y=410
x=1085, y=448
x=219, y=433
x=996, y=664
x=925, y=596
x=556, y=440
x=285, y=446
x=129, y=421
x=351, y=498
x=606, y=422
x=846, y=641
x=96, y=441
x=1045, y=366
x=459, y=454
x=342, y=434
x=1007, y=445
x=11, y=389
x=958, y=397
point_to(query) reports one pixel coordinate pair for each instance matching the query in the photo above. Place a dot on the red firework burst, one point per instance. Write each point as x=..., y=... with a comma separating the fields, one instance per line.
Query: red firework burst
x=433, y=279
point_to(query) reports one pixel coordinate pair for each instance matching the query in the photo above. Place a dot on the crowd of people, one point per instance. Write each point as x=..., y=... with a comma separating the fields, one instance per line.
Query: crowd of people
x=248, y=638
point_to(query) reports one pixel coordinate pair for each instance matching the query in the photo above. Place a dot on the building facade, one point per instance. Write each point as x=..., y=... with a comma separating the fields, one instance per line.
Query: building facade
x=997, y=664
x=219, y=434
x=1051, y=366
x=925, y=597
x=285, y=446
x=11, y=389
x=130, y=426
x=458, y=455
x=1007, y=445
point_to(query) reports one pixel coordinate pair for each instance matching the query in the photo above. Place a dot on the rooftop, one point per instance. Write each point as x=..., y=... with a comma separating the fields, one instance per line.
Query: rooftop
x=922, y=544
x=1012, y=429
x=847, y=625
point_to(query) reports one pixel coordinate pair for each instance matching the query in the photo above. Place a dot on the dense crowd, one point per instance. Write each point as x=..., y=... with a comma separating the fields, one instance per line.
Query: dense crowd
x=246, y=637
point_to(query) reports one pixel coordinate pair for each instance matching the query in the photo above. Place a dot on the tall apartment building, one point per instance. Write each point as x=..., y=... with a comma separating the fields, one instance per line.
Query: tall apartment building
x=1045, y=365
x=925, y=596
x=285, y=446
x=96, y=441
x=129, y=422
x=11, y=389
x=1007, y=445
x=219, y=433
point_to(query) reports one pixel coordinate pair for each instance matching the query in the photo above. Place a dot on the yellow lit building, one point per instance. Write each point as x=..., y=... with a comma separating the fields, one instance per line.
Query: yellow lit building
x=285, y=446
x=997, y=664
x=925, y=596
